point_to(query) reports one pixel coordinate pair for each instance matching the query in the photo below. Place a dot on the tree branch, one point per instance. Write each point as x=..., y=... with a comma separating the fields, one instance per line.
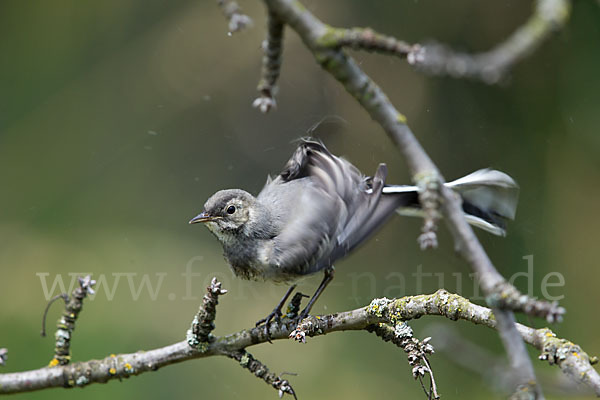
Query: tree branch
x=369, y=40
x=491, y=66
x=317, y=37
x=204, y=321
x=492, y=367
x=381, y=315
x=402, y=336
x=271, y=64
x=66, y=323
x=438, y=59
x=261, y=371
x=570, y=358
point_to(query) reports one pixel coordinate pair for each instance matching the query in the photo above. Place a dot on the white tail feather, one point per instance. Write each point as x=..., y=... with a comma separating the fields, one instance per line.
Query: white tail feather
x=489, y=190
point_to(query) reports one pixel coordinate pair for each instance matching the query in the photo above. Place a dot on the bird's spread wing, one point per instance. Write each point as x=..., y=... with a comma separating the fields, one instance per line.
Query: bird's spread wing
x=330, y=207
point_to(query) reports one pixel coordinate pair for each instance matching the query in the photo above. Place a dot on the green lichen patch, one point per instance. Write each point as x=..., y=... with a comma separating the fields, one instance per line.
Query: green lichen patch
x=330, y=38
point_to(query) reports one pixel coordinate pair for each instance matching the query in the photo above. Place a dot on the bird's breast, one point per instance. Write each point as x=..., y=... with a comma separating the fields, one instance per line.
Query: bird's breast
x=248, y=259
x=256, y=261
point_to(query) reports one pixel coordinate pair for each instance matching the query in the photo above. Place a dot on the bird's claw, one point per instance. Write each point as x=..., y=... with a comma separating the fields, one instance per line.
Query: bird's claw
x=274, y=315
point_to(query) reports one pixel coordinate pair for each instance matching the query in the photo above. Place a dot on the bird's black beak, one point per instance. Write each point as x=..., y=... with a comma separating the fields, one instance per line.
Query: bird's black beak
x=202, y=217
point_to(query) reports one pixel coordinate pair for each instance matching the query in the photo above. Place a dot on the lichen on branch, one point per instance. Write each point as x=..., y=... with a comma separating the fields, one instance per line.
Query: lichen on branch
x=66, y=323
x=570, y=358
x=204, y=321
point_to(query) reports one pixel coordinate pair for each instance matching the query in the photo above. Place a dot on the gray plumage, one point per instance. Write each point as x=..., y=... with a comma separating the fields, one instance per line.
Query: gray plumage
x=320, y=207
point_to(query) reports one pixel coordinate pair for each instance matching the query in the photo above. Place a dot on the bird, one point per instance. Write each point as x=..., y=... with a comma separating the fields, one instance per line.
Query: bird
x=321, y=207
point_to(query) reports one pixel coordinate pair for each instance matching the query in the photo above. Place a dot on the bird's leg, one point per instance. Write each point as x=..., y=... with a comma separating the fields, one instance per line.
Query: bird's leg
x=327, y=277
x=276, y=313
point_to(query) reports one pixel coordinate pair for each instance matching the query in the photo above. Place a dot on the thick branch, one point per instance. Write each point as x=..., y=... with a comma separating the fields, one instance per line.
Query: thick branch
x=571, y=359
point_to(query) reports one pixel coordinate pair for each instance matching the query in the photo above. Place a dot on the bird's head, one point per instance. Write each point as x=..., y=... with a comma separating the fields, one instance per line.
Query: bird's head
x=226, y=212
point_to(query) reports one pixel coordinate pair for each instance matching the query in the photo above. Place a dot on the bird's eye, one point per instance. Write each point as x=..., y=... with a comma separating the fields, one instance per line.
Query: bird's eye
x=230, y=209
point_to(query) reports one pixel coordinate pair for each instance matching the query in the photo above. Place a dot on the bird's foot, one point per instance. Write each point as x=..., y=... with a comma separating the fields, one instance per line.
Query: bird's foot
x=274, y=315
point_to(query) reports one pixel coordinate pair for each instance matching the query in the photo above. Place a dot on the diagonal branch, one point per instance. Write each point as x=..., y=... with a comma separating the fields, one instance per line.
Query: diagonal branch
x=402, y=336
x=569, y=357
x=261, y=371
x=314, y=33
x=491, y=367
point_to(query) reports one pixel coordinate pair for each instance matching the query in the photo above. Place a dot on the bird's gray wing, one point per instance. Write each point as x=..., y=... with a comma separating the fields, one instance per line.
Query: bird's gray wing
x=308, y=217
x=335, y=207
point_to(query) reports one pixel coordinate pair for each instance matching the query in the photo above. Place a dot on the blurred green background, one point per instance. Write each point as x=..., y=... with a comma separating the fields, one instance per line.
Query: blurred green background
x=118, y=119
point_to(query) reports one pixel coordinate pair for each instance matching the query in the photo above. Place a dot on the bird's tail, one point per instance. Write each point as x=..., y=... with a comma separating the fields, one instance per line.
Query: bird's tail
x=489, y=198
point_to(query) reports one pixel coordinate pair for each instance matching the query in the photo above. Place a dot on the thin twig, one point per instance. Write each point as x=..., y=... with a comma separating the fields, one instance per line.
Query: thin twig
x=65, y=298
x=506, y=295
x=402, y=336
x=438, y=59
x=261, y=371
x=432, y=384
x=66, y=323
x=369, y=40
x=491, y=66
x=203, y=324
x=271, y=64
